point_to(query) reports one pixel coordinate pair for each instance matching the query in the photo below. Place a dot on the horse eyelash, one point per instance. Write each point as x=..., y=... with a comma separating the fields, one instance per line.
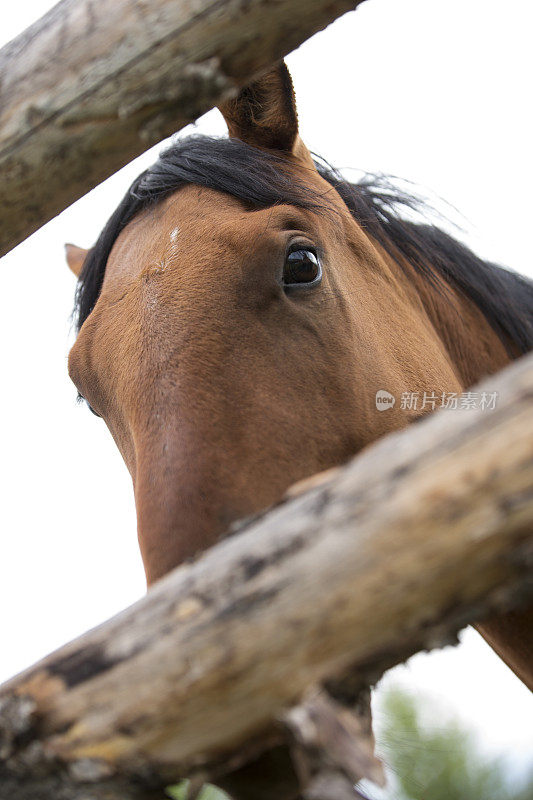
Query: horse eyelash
x=81, y=399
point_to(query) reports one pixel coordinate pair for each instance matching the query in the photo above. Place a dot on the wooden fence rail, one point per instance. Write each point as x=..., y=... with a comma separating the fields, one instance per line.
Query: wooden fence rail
x=94, y=83
x=427, y=530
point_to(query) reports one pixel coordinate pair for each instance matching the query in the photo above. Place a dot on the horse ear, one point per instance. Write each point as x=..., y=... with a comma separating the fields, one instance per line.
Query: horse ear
x=264, y=113
x=75, y=258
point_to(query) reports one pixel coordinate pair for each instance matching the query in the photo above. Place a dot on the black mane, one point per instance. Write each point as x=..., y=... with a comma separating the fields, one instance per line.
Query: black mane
x=259, y=180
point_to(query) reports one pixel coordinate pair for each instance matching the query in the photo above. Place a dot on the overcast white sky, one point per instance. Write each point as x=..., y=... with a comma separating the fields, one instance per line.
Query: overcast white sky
x=435, y=91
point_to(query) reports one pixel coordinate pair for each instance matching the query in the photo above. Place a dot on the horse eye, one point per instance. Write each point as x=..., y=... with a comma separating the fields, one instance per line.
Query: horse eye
x=302, y=267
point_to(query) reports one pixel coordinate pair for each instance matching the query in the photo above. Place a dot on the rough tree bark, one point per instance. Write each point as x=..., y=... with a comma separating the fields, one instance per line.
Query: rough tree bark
x=93, y=84
x=422, y=533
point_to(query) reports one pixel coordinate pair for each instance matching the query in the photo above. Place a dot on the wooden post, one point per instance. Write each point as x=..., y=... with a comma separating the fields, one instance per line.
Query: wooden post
x=422, y=533
x=94, y=83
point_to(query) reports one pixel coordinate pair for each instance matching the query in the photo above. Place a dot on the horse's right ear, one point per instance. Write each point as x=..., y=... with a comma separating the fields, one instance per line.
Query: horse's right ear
x=264, y=113
x=75, y=258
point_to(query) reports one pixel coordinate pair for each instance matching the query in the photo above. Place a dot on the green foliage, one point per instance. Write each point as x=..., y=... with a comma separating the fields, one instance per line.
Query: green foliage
x=212, y=793
x=180, y=791
x=441, y=762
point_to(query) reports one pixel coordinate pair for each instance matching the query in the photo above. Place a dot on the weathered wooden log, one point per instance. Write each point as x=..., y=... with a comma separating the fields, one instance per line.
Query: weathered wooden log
x=422, y=533
x=93, y=84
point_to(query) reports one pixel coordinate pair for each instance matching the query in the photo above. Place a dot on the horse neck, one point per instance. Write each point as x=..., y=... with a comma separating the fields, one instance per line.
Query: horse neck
x=476, y=350
x=473, y=346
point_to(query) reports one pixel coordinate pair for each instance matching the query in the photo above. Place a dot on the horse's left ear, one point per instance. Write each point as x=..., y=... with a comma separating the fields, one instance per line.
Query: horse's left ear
x=264, y=113
x=75, y=258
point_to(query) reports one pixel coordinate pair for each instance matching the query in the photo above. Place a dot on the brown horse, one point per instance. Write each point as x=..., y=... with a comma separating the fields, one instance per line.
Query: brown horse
x=242, y=308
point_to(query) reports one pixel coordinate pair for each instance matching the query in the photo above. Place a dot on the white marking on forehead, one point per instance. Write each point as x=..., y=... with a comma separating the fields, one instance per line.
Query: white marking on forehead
x=174, y=235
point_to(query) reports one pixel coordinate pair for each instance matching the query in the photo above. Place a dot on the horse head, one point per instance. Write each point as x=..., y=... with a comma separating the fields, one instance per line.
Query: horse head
x=238, y=322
